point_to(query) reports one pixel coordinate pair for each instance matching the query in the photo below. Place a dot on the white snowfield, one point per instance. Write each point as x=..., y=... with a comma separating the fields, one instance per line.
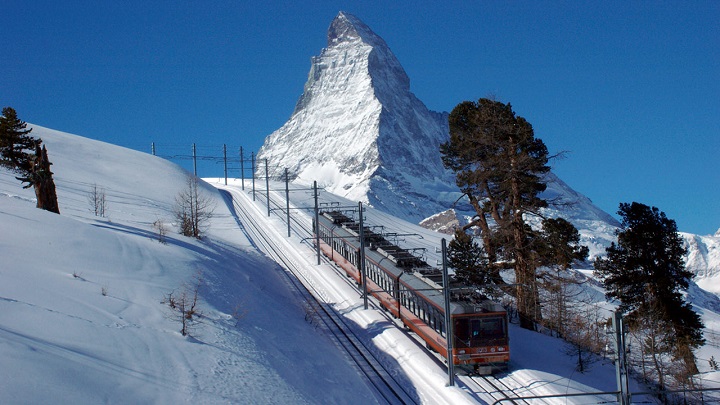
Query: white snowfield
x=81, y=318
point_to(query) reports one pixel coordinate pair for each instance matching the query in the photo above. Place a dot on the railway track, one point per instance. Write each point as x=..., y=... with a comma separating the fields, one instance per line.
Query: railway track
x=387, y=390
x=498, y=390
x=489, y=386
x=486, y=385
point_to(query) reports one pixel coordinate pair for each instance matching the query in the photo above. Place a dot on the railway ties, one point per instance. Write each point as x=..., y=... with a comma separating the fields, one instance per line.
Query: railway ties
x=387, y=390
x=490, y=388
x=500, y=390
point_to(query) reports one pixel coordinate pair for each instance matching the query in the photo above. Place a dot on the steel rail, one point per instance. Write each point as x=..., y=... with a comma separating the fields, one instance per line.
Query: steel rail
x=384, y=384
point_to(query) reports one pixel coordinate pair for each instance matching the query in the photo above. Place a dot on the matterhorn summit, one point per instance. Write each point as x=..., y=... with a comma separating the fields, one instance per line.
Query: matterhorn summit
x=360, y=133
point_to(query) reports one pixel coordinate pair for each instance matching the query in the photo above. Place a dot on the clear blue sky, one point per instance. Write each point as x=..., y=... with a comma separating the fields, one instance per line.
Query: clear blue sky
x=630, y=89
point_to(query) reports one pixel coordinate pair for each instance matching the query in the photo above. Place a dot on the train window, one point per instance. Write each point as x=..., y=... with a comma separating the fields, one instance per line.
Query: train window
x=462, y=335
x=480, y=328
x=491, y=327
x=473, y=331
x=438, y=321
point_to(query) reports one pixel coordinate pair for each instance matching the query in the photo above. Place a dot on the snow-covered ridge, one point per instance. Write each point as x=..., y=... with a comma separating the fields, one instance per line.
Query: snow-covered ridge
x=703, y=259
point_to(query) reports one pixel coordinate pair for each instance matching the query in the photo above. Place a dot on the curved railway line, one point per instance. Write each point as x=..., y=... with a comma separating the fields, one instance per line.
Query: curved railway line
x=488, y=385
x=386, y=387
x=485, y=389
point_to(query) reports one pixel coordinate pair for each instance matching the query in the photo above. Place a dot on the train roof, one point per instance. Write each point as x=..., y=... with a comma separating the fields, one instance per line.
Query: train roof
x=413, y=271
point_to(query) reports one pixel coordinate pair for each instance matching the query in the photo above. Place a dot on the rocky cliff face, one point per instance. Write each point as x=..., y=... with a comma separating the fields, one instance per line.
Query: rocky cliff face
x=703, y=259
x=359, y=131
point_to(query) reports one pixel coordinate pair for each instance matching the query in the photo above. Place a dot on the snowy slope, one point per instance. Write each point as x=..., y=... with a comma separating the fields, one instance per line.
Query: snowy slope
x=63, y=341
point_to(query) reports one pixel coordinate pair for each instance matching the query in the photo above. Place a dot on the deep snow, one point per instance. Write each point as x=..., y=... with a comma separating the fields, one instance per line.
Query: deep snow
x=63, y=341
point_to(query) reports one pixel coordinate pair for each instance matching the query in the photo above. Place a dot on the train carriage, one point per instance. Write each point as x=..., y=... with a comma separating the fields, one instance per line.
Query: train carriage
x=411, y=290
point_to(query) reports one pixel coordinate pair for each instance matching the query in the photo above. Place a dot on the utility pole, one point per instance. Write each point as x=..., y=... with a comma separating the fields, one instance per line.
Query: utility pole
x=252, y=162
x=621, y=367
x=267, y=186
x=225, y=161
x=287, y=199
x=362, y=257
x=194, y=155
x=242, y=170
x=152, y=148
x=317, y=221
x=448, y=322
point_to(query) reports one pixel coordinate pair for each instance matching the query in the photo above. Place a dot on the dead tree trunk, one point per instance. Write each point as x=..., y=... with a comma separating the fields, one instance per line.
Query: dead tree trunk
x=42, y=181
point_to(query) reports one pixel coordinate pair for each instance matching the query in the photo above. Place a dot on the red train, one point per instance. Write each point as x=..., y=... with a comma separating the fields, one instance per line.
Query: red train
x=411, y=290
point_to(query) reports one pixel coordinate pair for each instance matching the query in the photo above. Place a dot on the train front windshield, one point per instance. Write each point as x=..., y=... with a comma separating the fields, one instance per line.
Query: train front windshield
x=480, y=331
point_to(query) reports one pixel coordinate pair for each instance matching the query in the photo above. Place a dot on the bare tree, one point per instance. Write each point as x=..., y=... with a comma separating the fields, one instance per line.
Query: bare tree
x=97, y=200
x=184, y=305
x=584, y=334
x=193, y=209
x=312, y=313
x=161, y=230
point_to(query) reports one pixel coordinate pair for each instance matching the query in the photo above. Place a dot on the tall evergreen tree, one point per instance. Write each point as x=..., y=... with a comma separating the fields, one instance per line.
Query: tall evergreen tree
x=499, y=166
x=468, y=260
x=559, y=244
x=15, y=142
x=646, y=272
x=23, y=155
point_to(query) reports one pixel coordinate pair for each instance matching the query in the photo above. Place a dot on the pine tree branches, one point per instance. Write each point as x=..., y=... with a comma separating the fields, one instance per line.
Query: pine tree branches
x=23, y=155
x=500, y=165
x=645, y=271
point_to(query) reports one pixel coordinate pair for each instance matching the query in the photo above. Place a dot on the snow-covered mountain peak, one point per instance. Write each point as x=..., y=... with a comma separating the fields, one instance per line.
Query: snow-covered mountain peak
x=348, y=28
x=359, y=131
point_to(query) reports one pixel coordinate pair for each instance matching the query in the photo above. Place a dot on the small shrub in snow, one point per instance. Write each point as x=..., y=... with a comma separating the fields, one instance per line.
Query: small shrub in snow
x=97, y=201
x=193, y=209
x=184, y=305
x=160, y=230
x=239, y=312
x=312, y=313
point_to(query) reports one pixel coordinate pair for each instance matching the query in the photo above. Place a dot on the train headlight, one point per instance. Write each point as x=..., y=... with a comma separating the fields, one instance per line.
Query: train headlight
x=461, y=351
x=492, y=350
